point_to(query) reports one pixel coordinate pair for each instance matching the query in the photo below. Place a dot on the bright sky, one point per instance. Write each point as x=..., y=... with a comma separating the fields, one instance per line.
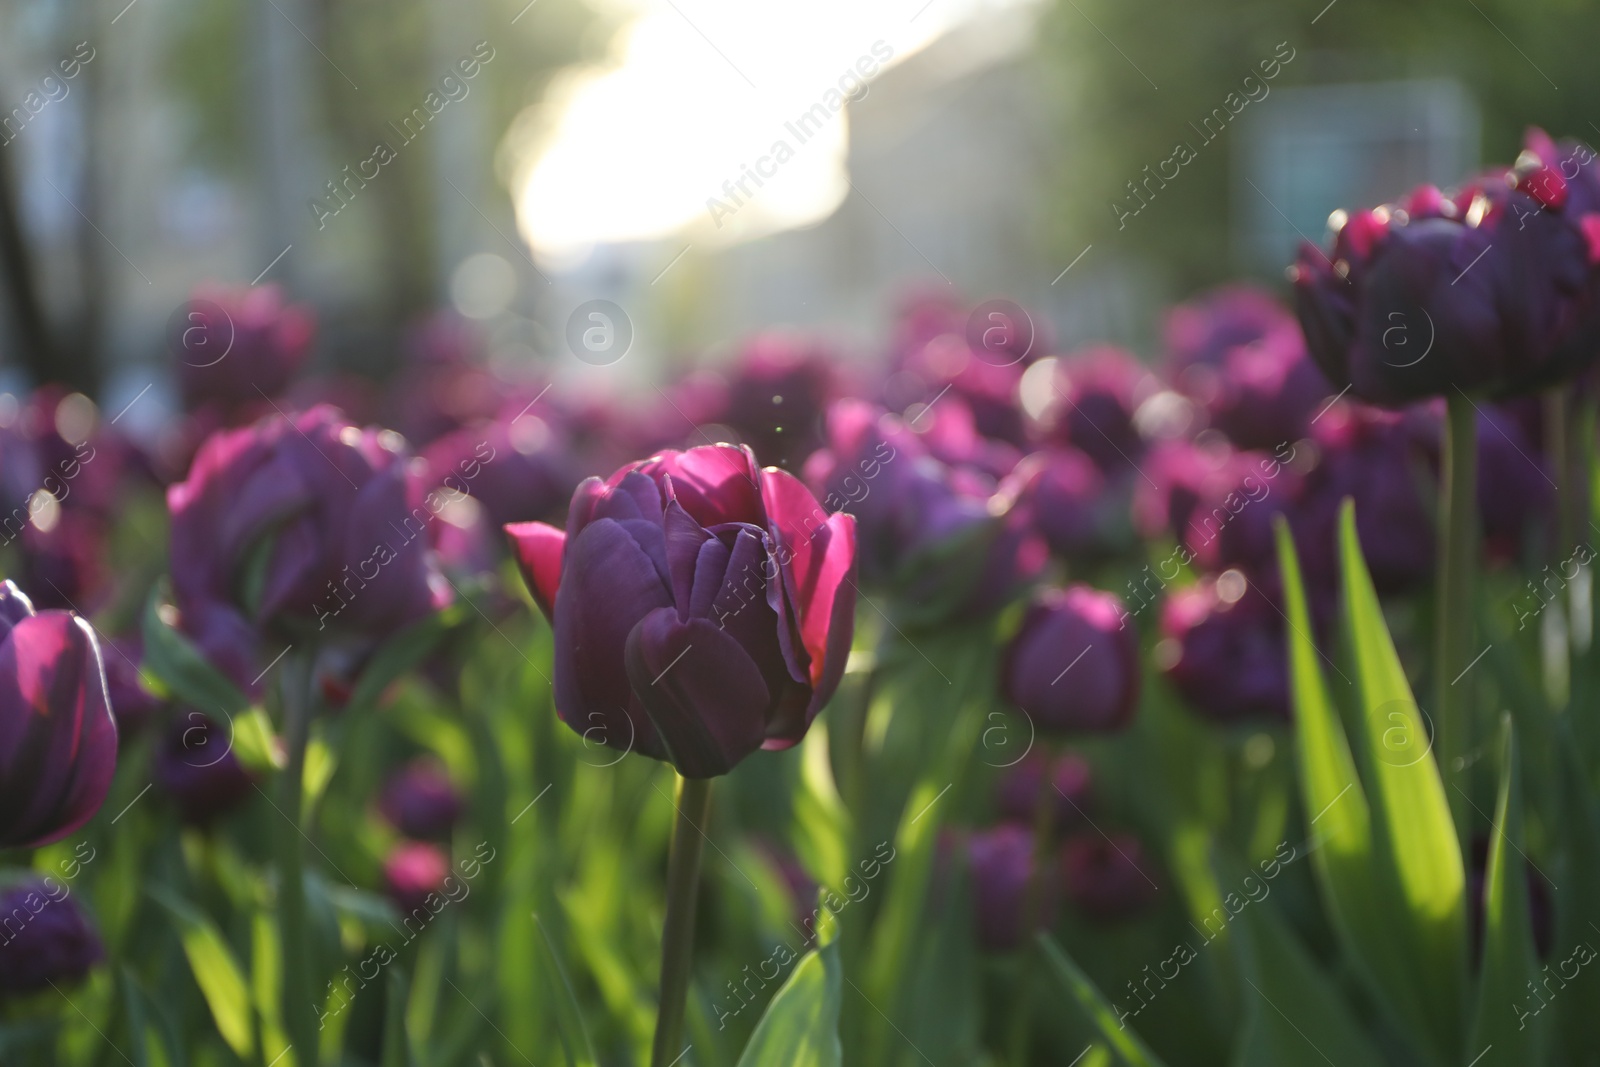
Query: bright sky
x=697, y=91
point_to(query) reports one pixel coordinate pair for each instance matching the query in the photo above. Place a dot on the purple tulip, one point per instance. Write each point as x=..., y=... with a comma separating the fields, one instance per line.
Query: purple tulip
x=1216, y=502
x=1070, y=785
x=1201, y=333
x=420, y=801
x=45, y=938
x=1000, y=861
x=1403, y=308
x=987, y=383
x=195, y=765
x=238, y=346
x=702, y=606
x=1073, y=666
x=58, y=738
x=941, y=536
x=1516, y=492
x=1265, y=394
x=1386, y=462
x=518, y=467
x=1072, y=506
x=777, y=392
x=1105, y=877
x=1224, y=650
x=414, y=872
x=298, y=527
x=1095, y=394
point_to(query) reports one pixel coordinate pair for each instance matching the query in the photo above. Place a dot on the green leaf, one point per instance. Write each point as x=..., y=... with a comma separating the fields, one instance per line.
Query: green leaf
x=216, y=972
x=569, y=1017
x=800, y=1027
x=1412, y=824
x=1124, y=1042
x=174, y=661
x=396, y=1051
x=1508, y=1029
x=1293, y=1012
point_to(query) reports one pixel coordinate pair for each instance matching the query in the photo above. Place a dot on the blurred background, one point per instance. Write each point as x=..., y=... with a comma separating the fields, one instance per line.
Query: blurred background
x=710, y=167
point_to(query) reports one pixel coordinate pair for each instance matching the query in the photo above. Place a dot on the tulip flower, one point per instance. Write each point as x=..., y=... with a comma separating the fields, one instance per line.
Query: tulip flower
x=1001, y=862
x=1105, y=876
x=58, y=739
x=195, y=765
x=1073, y=666
x=518, y=467
x=1093, y=398
x=702, y=607
x=777, y=391
x=1216, y=502
x=45, y=938
x=1069, y=501
x=1201, y=333
x=1224, y=650
x=236, y=346
x=1017, y=796
x=1491, y=290
x=420, y=801
x=300, y=526
x=1265, y=395
x=414, y=872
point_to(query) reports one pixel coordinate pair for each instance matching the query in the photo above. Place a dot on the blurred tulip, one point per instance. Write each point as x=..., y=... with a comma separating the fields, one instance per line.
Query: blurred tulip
x=1068, y=500
x=1403, y=308
x=195, y=765
x=1105, y=876
x=58, y=738
x=45, y=938
x=1216, y=502
x=1200, y=334
x=296, y=526
x=420, y=801
x=1227, y=656
x=518, y=467
x=1073, y=666
x=702, y=607
x=1094, y=396
x=1266, y=394
x=238, y=346
x=1070, y=785
x=413, y=872
x=777, y=391
x=1000, y=861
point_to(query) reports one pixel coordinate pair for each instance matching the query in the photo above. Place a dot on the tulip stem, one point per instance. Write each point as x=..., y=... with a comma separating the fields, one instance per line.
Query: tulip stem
x=677, y=940
x=1453, y=651
x=299, y=1012
x=1033, y=898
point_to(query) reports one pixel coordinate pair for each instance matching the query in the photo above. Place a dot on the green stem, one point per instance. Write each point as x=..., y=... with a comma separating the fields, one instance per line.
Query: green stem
x=1553, y=630
x=1044, y=818
x=677, y=940
x=1458, y=557
x=299, y=1013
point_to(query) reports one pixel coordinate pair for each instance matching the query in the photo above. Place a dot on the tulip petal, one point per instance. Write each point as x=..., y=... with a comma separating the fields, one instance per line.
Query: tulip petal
x=608, y=583
x=538, y=548
x=714, y=483
x=705, y=696
x=14, y=606
x=821, y=551
x=684, y=539
x=58, y=740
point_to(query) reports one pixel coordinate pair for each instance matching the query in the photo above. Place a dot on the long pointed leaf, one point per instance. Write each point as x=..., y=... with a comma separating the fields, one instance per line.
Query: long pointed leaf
x=216, y=972
x=1508, y=1028
x=1412, y=825
x=1123, y=1041
x=800, y=1027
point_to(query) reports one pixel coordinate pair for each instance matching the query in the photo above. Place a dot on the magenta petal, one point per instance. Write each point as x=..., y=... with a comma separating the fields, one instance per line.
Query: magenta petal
x=705, y=696
x=58, y=740
x=821, y=550
x=714, y=483
x=538, y=548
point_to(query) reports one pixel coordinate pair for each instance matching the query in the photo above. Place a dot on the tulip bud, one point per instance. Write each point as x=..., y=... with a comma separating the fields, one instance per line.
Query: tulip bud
x=1105, y=877
x=412, y=873
x=1073, y=666
x=1001, y=863
x=195, y=765
x=58, y=738
x=234, y=346
x=45, y=939
x=420, y=801
x=1224, y=650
